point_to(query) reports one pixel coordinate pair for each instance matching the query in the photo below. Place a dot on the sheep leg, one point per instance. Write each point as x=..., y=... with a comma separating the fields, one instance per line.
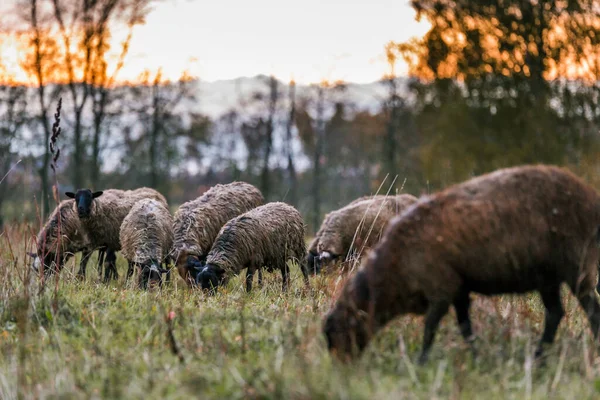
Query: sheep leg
x=129, y=270
x=461, y=306
x=435, y=313
x=85, y=257
x=304, y=269
x=249, y=276
x=110, y=266
x=260, y=277
x=101, y=254
x=285, y=274
x=554, y=313
x=589, y=303
x=130, y=266
x=168, y=273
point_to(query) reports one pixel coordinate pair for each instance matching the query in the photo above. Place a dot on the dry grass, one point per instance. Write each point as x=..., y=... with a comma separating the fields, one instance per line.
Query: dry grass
x=115, y=341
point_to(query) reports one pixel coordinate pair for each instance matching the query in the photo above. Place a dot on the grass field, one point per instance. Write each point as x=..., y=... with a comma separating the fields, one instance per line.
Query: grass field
x=89, y=340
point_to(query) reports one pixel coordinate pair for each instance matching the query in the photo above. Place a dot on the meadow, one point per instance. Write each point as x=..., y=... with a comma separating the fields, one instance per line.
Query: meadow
x=84, y=339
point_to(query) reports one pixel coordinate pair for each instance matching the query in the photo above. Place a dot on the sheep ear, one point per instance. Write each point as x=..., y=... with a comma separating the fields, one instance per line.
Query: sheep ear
x=70, y=195
x=97, y=194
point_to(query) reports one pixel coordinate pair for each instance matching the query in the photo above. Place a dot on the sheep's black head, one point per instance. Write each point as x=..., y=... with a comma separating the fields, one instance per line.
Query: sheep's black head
x=346, y=326
x=326, y=258
x=83, y=200
x=151, y=275
x=210, y=278
x=194, y=266
x=47, y=260
x=313, y=263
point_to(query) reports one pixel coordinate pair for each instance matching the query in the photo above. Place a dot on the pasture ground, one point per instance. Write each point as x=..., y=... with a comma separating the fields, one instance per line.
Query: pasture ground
x=88, y=340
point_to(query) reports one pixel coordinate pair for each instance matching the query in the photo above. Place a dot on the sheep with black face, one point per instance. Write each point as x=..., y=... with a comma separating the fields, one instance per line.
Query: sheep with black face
x=102, y=213
x=515, y=230
x=197, y=223
x=267, y=237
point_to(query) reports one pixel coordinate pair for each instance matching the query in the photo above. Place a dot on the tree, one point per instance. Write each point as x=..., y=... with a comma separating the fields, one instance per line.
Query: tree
x=102, y=82
x=488, y=93
x=41, y=66
x=319, y=144
x=85, y=24
x=13, y=116
x=289, y=151
x=158, y=104
x=269, y=128
x=400, y=136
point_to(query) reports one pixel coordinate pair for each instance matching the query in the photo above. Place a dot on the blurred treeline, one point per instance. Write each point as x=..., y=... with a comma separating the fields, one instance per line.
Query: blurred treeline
x=493, y=83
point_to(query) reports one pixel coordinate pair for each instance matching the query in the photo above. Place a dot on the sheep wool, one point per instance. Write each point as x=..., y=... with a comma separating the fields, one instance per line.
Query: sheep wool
x=108, y=212
x=197, y=222
x=146, y=233
x=355, y=228
x=268, y=236
x=516, y=230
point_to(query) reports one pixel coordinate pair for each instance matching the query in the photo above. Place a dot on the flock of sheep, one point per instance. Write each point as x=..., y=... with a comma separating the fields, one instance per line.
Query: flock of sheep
x=516, y=230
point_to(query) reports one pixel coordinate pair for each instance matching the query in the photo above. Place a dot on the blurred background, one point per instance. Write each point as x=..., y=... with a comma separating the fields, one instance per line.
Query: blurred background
x=314, y=102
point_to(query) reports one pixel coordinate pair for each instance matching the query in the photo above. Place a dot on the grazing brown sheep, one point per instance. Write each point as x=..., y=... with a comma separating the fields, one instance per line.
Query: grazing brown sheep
x=73, y=239
x=267, y=236
x=516, y=230
x=349, y=232
x=102, y=213
x=146, y=236
x=197, y=223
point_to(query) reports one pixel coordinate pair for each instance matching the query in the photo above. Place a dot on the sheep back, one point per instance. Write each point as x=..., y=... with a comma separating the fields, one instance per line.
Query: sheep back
x=360, y=224
x=74, y=238
x=267, y=236
x=146, y=233
x=108, y=212
x=197, y=222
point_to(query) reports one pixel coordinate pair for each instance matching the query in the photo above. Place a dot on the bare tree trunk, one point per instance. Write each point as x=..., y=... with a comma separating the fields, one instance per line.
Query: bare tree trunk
x=43, y=116
x=5, y=169
x=291, y=168
x=78, y=151
x=92, y=30
x=154, y=133
x=99, y=100
x=390, y=145
x=265, y=179
x=320, y=136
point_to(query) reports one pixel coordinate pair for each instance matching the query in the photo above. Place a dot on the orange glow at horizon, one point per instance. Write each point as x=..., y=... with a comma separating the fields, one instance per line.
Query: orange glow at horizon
x=309, y=41
x=11, y=49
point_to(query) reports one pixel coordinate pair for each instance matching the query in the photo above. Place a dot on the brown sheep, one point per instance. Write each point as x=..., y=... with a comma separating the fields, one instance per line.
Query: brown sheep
x=102, y=213
x=73, y=239
x=197, y=223
x=515, y=230
x=146, y=237
x=267, y=236
x=347, y=233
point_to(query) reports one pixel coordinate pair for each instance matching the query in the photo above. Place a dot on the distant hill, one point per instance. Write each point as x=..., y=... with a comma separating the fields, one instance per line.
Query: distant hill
x=218, y=97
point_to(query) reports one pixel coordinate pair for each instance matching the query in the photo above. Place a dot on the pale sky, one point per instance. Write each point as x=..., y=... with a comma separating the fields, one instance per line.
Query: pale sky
x=308, y=40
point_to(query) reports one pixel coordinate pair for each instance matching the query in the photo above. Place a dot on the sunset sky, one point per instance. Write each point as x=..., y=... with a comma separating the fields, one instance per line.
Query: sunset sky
x=308, y=40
